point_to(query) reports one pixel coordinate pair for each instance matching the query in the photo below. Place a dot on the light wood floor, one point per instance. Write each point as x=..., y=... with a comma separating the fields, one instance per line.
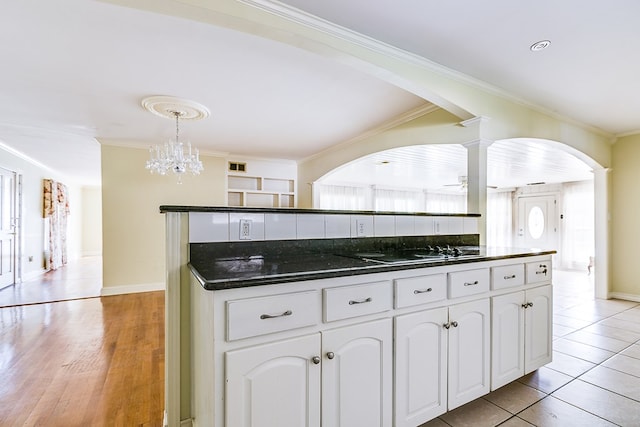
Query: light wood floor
x=85, y=362
x=81, y=278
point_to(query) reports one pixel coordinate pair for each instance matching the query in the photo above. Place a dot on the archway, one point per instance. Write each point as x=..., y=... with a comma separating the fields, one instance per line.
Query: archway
x=517, y=168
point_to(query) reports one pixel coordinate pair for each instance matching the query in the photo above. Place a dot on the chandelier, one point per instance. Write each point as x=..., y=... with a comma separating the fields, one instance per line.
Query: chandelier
x=174, y=156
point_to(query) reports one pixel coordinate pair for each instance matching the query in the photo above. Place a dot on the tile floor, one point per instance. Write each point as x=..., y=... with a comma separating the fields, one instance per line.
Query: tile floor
x=594, y=379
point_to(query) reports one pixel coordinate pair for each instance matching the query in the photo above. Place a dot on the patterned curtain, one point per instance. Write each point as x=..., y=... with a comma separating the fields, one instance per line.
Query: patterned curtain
x=56, y=211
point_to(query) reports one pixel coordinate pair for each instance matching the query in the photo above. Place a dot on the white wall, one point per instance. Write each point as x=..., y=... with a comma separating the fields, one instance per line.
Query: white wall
x=33, y=237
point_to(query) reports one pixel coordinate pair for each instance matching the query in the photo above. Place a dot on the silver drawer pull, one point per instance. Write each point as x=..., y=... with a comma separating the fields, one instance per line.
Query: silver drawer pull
x=273, y=316
x=513, y=276
x=542, y=271
x=422, y=291
x=352, y=302
x=471, y=284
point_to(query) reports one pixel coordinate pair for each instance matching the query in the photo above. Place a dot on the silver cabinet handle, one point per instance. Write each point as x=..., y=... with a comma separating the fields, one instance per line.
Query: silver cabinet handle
x=330, y=355
x=273, y=316
x=315, y=360
x=470, y=283
x=422, y=291
x=353, y=302
x=544, y=269
x=450, y=324
x=513, y=276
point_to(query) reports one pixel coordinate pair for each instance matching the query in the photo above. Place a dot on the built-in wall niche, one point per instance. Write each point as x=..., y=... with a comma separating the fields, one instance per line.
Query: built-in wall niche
x=260, y=191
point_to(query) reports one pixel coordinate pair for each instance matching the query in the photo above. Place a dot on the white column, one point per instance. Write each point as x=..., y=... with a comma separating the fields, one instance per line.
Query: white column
x=601, y=187
x=477, y=183
x=176, y=363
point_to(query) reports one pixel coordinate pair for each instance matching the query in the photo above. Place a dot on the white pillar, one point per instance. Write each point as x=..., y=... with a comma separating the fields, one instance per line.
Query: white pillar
x=601, y=191
x=477, y=183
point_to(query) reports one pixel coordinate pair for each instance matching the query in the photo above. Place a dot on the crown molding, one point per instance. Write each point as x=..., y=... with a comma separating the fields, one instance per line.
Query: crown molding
x=405, y=117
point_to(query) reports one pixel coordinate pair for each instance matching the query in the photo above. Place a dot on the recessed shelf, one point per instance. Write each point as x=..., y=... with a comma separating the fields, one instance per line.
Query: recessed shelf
x=261, y=192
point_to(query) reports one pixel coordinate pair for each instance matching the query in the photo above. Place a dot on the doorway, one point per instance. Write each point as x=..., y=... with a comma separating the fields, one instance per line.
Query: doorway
x=9, y=227
x=537, y=222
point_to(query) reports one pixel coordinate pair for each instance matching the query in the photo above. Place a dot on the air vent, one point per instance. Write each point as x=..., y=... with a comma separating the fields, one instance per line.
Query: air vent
x=237, y=167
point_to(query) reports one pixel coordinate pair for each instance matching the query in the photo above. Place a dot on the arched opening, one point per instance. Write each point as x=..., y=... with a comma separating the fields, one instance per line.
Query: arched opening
x=540, y=193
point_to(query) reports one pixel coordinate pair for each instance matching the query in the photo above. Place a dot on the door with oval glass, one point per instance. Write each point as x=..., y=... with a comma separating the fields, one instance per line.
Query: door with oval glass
x=537, y=222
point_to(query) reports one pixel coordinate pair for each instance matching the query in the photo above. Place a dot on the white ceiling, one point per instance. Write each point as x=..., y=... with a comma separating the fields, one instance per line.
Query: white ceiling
x=440, y=167
x=76, y=70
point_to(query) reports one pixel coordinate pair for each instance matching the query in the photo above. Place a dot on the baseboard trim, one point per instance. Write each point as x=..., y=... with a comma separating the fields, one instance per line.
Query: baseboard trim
x=90, y=253
x=131, y=289
x=626, y=297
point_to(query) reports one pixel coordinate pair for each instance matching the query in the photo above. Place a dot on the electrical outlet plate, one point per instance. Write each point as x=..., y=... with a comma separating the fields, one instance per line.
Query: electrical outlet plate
x=361, y=228
x=245, y=229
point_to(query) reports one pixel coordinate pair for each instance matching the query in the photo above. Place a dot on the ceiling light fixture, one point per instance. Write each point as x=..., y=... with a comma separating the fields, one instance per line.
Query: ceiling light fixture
x=541, y=45
x=172, y=157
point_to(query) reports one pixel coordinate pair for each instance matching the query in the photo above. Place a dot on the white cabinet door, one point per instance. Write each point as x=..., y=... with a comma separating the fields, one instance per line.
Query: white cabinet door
x=420, y=367
x=538, y=349
x=469, y=352
x=356, y=375
x=274, y=385
x=507, y=338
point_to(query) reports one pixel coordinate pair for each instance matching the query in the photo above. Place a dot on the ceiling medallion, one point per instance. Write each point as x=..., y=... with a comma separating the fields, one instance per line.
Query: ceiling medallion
x=541, y=45
x=166, y=106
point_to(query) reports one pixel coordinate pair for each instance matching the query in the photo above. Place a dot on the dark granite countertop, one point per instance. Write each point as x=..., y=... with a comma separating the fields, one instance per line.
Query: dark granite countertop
x=173, y=208
x=219, y=272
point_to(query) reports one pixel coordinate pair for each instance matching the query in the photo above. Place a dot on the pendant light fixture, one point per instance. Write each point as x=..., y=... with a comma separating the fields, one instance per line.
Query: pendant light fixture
x=174, y=156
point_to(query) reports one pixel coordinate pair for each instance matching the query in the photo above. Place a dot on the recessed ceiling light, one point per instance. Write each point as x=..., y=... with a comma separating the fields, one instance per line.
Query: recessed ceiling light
x=541, y=45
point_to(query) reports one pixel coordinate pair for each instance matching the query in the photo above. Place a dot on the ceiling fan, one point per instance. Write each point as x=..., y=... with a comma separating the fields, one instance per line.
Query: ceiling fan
x=463, y=183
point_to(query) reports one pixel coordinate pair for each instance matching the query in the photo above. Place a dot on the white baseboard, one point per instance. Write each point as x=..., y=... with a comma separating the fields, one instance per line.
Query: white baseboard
x=626, y=297
x=183, y=423
x=90, y=253
x=131, y=289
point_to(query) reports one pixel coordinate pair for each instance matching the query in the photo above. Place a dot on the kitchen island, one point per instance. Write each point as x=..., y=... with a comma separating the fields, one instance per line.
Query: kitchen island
x=390, y=324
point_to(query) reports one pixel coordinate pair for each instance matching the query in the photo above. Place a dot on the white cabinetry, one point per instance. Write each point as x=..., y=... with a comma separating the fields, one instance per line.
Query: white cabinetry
x=260, y=379
x=356, y=375
x=442, y=360
x=469, y=346
x=521, y=334
x=340, y=353
x=348, y=379
x=421, y=366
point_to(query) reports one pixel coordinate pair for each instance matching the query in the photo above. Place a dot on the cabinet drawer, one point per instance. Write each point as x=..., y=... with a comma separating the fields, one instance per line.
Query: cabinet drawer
x=420, y=290
x=258, y=316
x=538, y=272
x=507, y=276
x=357, y=300
x=468, y=282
